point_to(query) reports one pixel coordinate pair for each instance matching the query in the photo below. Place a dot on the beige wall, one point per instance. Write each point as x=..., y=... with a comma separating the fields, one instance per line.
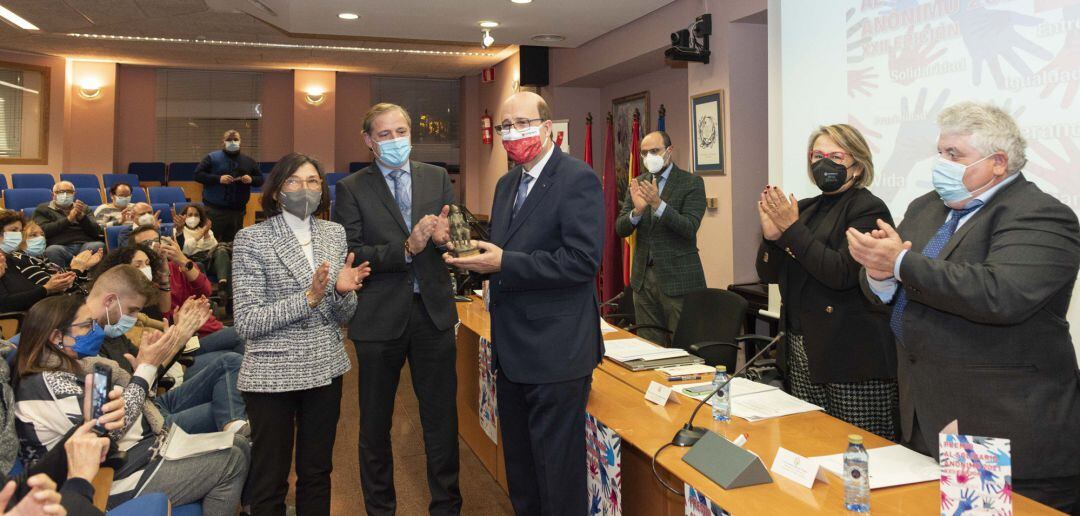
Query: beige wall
x=353, y=101
x=58, y=77
x=313, y=125
x=90, y=127
x=276, y=128
x=483, y=169
x=136, y=123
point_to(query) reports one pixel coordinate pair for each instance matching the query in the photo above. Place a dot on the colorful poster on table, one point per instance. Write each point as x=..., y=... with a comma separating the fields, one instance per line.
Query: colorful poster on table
x=604, y=455
x=489, y=419
x=976, y=475
x=697, y=504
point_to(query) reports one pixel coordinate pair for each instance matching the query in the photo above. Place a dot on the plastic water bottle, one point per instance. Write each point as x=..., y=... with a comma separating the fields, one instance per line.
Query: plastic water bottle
x=856, y=476
x=721, y=402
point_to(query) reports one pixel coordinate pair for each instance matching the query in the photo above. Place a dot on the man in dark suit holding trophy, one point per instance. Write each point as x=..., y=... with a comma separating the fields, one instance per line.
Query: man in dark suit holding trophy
x=547, y=233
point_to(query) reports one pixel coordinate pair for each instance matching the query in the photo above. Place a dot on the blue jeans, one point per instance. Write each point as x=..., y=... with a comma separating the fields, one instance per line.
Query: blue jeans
x=225, y=340
x=62, y=254
x=208, y=399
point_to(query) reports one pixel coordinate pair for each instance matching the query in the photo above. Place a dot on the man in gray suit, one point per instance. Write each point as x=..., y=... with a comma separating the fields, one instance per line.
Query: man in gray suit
x=979, y=287
x=664, y=207
x=395, y=215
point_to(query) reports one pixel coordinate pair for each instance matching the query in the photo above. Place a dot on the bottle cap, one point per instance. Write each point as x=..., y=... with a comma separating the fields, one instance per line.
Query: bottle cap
x=721, y=369
x=854, y=439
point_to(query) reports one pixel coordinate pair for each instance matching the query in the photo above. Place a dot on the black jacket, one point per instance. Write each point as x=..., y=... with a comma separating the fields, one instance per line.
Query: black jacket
x=376, y=233
x=847, y=338
x=232, y=196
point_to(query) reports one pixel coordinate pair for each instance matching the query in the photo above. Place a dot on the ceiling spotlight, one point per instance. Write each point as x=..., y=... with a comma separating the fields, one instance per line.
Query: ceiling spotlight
x=489, y=24
x=348, y=16
x=522, y=1
x=488, y=40
x=548, y=38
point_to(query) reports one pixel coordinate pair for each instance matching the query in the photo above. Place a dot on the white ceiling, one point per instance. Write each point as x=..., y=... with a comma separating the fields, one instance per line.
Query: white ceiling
x=446, y=29
x=448, y=20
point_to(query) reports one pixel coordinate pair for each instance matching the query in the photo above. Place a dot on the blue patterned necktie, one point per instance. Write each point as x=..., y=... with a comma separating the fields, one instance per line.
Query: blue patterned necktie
x=932, y=250
x=523, y=191
x=403, y=195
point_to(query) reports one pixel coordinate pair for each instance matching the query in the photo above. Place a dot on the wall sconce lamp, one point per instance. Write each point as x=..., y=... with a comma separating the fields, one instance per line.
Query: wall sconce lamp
x=315, y=96
x=90, y=89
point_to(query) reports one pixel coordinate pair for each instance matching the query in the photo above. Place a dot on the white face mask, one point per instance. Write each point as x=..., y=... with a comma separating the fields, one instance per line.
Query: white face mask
x=146, y=219
x=148, y=272
x=191, y=222
x=232, y=145
x=64, y=199
x=654, y=162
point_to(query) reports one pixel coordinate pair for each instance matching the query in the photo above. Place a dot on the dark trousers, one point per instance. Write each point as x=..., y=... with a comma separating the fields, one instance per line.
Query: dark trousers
x=432, y=355
x=310, y=416
x=653, y=307
x=1061, y=493
x=543, y=441
x=226, y=222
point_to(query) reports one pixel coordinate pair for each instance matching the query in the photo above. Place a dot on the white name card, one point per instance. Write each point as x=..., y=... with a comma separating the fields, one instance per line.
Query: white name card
x=659, y=393
x=795, y=467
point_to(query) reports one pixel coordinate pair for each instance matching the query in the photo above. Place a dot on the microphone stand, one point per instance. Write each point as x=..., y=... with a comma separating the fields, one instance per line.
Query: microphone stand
x=689, y=434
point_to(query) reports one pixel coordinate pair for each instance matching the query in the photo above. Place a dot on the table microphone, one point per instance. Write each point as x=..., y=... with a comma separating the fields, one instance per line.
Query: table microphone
x=689, y=434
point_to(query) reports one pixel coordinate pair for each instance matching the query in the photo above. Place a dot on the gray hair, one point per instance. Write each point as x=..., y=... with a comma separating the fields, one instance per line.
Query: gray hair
x=991, y=130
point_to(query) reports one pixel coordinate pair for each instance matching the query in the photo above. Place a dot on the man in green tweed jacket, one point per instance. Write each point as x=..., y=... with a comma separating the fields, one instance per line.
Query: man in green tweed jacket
x=664, y=206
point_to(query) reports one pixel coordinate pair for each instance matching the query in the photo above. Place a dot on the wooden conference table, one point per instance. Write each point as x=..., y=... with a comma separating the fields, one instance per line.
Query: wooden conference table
x=617, y=400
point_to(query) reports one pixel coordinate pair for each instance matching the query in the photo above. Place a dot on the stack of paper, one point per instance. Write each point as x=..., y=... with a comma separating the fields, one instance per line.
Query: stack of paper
x=626, y=350
x=754, y=401
x=606, y=327
x=687, y=370
x=889, y=466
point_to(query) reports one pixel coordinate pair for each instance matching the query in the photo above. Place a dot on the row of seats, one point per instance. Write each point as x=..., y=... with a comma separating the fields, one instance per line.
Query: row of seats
x=184, y=171
x=19, y=198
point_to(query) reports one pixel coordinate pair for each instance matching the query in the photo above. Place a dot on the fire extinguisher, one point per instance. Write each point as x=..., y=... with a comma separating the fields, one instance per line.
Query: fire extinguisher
x=485, y=128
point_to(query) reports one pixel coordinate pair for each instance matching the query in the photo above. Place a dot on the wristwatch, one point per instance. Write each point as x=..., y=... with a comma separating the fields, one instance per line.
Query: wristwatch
x=409, y=251
x=188, y=265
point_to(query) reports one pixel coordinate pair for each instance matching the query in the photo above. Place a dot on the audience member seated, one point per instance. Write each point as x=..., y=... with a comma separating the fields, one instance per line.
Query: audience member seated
x=154, y=267
x=198, y=243
x=68, y=229
x=119, y=211
x=73, y=466
x=59, y=339
x=19, y=236
x=143, y=214
x=186, y=280
x=17, y=292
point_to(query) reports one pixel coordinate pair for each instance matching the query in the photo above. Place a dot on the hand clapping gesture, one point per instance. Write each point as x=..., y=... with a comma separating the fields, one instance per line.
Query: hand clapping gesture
x=777, y=212
x=351, y=278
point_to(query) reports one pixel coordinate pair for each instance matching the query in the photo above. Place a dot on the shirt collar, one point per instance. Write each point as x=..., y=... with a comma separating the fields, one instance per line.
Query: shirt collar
x=539, y=166
x=386, y=171
x=667, y=172
x=989, y=194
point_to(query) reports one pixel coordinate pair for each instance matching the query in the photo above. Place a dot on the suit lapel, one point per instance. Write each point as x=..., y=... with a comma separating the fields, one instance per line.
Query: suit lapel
x=976, y=219
x=382, y=190
x=535, y=195
x=500, y=220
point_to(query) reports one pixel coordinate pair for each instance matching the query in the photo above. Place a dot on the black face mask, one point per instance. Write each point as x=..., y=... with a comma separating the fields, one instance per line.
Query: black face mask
x=829, y=175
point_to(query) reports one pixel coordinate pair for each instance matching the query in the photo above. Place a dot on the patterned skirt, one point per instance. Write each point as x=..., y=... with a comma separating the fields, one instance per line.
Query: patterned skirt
x=871, y=405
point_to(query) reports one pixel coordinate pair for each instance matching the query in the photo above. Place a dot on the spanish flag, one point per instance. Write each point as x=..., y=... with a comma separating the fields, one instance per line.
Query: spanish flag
x=633, y=170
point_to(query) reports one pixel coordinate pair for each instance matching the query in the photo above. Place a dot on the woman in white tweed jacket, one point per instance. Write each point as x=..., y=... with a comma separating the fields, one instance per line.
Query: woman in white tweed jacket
x=293, y=288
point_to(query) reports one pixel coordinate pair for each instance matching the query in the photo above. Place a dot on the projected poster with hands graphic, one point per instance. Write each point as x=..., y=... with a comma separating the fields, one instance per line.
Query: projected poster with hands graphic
x=888, y=67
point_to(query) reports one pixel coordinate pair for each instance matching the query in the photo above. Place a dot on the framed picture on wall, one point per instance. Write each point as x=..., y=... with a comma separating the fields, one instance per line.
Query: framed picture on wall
x=560, y=132
x=707, y=129
x=622, y=110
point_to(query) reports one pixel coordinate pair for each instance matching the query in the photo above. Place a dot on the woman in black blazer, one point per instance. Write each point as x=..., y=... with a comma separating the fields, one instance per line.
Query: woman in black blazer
x=839, y=353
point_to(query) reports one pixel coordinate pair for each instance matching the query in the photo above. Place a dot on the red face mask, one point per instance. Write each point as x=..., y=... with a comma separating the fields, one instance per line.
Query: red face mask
x=523, y=146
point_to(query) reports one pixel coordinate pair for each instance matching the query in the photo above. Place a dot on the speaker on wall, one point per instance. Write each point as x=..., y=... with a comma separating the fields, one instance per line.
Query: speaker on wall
x=533, y=66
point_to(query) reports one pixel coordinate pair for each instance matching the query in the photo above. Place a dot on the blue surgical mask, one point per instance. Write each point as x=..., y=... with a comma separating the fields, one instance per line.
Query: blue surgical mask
x=121, y=202
x=11, y=242
x=395, y=153
x=122, y=326
x=232, y=145
x=64, y=199
x=90, y=344
x=35, y=246
x=948, y=179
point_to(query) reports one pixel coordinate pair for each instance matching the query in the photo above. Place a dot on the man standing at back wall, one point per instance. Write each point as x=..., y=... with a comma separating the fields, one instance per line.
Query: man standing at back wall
x=227, y=176
x=547, y=237
x=395, y=214
x=664, y=207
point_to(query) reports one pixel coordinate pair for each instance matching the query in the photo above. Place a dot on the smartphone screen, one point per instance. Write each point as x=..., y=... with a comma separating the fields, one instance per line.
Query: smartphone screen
x=100, y=394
